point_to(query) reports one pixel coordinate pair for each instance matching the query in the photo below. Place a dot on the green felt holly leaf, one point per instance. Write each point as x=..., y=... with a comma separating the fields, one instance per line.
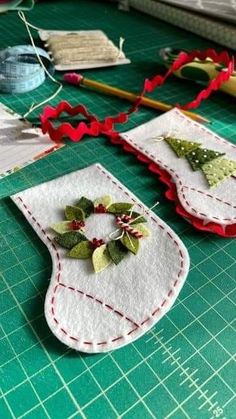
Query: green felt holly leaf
x=131, y=243
x=106, y=201
x=69, y=239
x=74, y=213
x=86, y=205
x=201, y=156
x=137, y=218
x=61, y=227
x=116, y=251
x=218, y=170
x=143, y=229
x=181, y=147
x=101, y=258
x=119, y=207
x=82, y=250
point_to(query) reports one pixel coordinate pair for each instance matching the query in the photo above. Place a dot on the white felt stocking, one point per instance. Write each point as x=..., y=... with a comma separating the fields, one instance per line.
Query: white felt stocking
x=98, y=312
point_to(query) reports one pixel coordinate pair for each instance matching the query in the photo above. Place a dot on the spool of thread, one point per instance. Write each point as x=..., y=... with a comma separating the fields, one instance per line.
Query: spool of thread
x=20, y=70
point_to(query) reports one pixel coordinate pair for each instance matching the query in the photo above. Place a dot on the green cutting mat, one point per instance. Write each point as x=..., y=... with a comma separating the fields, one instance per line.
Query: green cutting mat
x=184, y=367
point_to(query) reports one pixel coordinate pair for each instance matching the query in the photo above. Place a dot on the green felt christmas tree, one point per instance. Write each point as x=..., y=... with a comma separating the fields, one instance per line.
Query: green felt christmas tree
x=215, y=168
x=200, y=156
x=218, y=170
x=181, y=147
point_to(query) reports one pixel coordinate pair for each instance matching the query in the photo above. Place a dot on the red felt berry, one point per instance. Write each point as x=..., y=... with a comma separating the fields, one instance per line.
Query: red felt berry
x=96, y=243
x=100, y=209
x=76, y=224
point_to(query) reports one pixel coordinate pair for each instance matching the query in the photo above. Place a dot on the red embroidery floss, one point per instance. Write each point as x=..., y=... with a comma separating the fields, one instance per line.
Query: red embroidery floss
x=124, y=225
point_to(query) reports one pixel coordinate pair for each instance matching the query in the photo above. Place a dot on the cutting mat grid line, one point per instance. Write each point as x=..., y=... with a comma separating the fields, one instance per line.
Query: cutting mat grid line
x=184, y=367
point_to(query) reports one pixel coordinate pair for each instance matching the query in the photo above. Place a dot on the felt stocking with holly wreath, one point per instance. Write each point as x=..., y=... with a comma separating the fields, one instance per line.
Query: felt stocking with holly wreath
x=117, y=268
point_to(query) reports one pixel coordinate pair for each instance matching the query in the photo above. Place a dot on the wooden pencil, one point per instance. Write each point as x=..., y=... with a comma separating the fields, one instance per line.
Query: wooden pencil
x=77, y=79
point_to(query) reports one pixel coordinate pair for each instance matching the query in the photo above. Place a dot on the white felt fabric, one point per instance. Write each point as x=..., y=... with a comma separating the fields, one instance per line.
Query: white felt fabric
x=209, y=204
x=99, y=312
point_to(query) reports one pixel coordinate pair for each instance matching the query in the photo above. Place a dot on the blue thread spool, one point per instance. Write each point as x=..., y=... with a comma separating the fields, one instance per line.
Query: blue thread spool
x=20, y=70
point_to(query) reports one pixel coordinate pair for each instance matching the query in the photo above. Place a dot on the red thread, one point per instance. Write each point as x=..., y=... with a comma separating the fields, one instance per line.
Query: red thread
x=155, y=311
x=109, y=307
x=118, y=312
x=99, y=301
x=132, y=331
x=53, y=245
x=145, y=321
x=72, y=337
x=115, y=339
x=210, y=196
x=131, y=321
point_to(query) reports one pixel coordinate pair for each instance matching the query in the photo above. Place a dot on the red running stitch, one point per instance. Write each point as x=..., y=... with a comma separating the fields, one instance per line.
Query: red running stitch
x=118, y=313
x=209, y=196
x=99, y=302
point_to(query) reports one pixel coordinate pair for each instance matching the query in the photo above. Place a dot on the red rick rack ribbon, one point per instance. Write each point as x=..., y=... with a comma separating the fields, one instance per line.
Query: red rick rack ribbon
x=185, y=58
x=94, y=127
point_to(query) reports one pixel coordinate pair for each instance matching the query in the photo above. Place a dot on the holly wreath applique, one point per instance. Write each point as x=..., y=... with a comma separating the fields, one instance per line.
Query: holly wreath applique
x=71, y=233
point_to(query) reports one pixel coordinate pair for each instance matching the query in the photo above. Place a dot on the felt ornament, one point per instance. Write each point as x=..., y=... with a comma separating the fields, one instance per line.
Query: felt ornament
x=198, y=166
x=118, y=288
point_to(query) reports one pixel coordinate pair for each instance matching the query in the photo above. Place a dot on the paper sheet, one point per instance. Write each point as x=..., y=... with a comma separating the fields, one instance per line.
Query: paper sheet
x=20, y=143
